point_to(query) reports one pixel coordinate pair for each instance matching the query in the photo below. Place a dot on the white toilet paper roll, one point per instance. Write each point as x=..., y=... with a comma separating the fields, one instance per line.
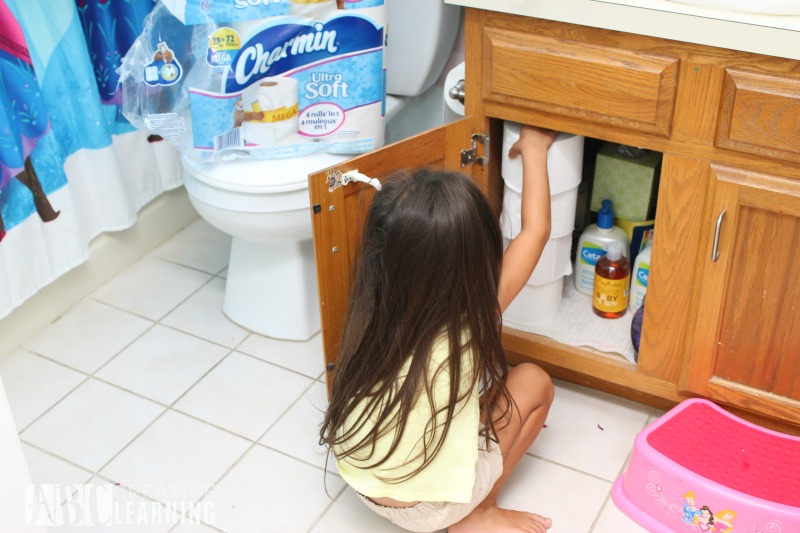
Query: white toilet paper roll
x=565, y=166
x=564, y=160
x=312, y=8
x=270, y=108
x=555, y=261
x=562, y=212
x=535, y=304
x=376, y=13
x=455, y=75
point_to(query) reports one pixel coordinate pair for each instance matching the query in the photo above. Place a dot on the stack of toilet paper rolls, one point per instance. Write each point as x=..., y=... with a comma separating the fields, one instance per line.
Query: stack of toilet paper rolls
x=540, y=300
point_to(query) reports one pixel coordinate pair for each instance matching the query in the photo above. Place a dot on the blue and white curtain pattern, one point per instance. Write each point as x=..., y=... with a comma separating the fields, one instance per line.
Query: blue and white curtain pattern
x=71, y=166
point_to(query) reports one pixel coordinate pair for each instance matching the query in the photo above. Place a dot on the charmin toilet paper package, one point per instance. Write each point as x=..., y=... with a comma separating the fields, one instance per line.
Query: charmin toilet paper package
x=192, y=12
x=263, y=79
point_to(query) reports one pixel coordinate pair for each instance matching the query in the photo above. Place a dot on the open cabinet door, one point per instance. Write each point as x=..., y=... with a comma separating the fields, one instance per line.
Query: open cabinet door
x=338, y=215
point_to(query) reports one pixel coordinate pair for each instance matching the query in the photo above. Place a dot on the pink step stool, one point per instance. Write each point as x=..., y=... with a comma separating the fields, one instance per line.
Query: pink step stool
x=700, y=468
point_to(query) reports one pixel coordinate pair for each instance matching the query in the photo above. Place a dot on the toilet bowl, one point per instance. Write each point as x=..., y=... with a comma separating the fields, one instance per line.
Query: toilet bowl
x=271, y=285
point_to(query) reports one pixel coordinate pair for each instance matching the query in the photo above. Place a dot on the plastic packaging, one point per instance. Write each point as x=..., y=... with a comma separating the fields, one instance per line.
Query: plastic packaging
x=259, y=79
x=612, y=278
x=639, y=276
x=592, y=245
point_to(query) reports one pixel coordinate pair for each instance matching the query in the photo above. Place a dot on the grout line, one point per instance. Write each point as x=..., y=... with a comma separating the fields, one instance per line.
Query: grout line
x=568, y=467
x=56, y=361
x=58, y=401
x=131, y=441
x=191, y=267
x=257, y=443
x=134, y=393
x=288, y=408
x=328, y=507
x=171, y=407
x=56, y=456
x=600, y=512
x=276, y=365
x=165, y=314
x=201, y=378
x=298, y=459
x=146, y=497
x=205, y=339
x=89, y=375
x=176, y=409
x=131, y=343
x=213, y=425
x=92, y=474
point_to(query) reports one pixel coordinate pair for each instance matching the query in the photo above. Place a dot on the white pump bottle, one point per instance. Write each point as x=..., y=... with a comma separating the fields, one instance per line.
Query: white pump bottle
x=593, y=244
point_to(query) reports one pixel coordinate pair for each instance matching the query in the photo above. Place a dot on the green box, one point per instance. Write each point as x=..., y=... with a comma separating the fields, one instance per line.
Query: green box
x=630, y=183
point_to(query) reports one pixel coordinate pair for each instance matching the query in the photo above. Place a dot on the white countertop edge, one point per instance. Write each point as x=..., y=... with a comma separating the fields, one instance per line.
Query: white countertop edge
x=753, y=38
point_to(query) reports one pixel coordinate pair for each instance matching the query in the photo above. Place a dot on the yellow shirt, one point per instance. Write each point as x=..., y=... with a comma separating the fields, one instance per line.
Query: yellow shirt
x=451, y=474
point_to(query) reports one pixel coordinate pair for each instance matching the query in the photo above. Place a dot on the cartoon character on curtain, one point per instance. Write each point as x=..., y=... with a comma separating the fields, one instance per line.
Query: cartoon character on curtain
x=23, y=120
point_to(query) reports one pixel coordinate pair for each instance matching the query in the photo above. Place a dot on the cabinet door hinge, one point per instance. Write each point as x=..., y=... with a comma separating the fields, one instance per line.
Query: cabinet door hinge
x=470, y=155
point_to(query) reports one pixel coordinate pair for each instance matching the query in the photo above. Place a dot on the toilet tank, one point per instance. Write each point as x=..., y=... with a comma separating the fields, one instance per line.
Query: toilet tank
x=420, y=38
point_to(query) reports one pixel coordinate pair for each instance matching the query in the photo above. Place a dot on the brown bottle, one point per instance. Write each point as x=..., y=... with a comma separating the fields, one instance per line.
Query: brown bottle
x=612, y=277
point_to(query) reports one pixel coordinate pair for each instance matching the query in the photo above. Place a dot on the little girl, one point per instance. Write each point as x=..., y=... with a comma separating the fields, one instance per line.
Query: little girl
x=426, y=420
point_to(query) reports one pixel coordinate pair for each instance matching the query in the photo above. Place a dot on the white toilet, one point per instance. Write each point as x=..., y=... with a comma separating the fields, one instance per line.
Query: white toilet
x=271, y=284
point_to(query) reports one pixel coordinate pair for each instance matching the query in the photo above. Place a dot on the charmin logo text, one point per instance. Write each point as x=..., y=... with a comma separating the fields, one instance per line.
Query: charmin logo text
x=255, y=60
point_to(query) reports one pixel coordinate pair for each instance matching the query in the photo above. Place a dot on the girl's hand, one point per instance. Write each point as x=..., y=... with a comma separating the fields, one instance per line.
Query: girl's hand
x=524, y=251
x=532, y=139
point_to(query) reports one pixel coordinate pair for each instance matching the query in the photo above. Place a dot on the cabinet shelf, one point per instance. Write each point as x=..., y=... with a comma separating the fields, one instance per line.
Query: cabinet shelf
x=576, y=325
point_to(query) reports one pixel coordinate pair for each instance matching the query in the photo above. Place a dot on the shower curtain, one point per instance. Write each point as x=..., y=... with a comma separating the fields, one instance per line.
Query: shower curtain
x=71, y=166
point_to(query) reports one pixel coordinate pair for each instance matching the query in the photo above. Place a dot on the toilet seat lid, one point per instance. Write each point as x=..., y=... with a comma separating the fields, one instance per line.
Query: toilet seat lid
x=257, y=176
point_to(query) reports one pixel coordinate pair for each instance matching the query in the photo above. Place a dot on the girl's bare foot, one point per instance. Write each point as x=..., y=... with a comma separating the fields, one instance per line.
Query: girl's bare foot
x=490, y=518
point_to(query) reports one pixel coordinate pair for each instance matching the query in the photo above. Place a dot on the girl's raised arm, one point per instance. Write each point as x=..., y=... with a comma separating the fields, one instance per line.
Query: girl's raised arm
x=524, y=251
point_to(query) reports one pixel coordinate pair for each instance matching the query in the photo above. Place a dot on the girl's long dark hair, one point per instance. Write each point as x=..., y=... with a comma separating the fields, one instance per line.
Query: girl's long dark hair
x=430, y=265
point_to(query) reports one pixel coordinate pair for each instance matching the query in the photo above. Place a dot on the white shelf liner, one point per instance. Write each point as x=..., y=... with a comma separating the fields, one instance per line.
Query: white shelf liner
x=577, y=325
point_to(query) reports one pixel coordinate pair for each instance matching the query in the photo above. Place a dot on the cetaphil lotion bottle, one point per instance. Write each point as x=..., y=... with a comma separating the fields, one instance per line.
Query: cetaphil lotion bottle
x=593, y=245
x=640, y=275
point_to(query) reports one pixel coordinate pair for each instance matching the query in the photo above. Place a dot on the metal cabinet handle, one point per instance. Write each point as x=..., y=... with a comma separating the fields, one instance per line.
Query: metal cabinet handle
x=715, y=248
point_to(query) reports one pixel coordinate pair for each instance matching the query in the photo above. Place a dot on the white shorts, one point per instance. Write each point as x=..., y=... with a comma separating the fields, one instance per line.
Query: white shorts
x=433, y=516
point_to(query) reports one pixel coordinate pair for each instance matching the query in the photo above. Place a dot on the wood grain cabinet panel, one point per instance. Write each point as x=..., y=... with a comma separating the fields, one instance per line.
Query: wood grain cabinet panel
x=339, y=215
x=760, y=115
x=747, y=347
x=603, y=84
x=728, y=124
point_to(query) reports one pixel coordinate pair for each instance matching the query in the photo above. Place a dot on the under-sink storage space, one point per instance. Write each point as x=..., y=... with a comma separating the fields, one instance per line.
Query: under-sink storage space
x=669, y=97
x=583, y=172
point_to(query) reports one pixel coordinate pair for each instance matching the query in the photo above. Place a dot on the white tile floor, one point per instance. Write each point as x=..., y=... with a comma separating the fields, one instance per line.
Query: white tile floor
x=146, y=387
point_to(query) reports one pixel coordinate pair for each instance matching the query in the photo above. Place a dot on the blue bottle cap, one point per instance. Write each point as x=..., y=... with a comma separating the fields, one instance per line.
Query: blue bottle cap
x=605, y=217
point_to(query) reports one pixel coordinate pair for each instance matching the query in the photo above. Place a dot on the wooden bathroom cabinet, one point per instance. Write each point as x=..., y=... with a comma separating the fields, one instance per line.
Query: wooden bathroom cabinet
x=728, y=124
